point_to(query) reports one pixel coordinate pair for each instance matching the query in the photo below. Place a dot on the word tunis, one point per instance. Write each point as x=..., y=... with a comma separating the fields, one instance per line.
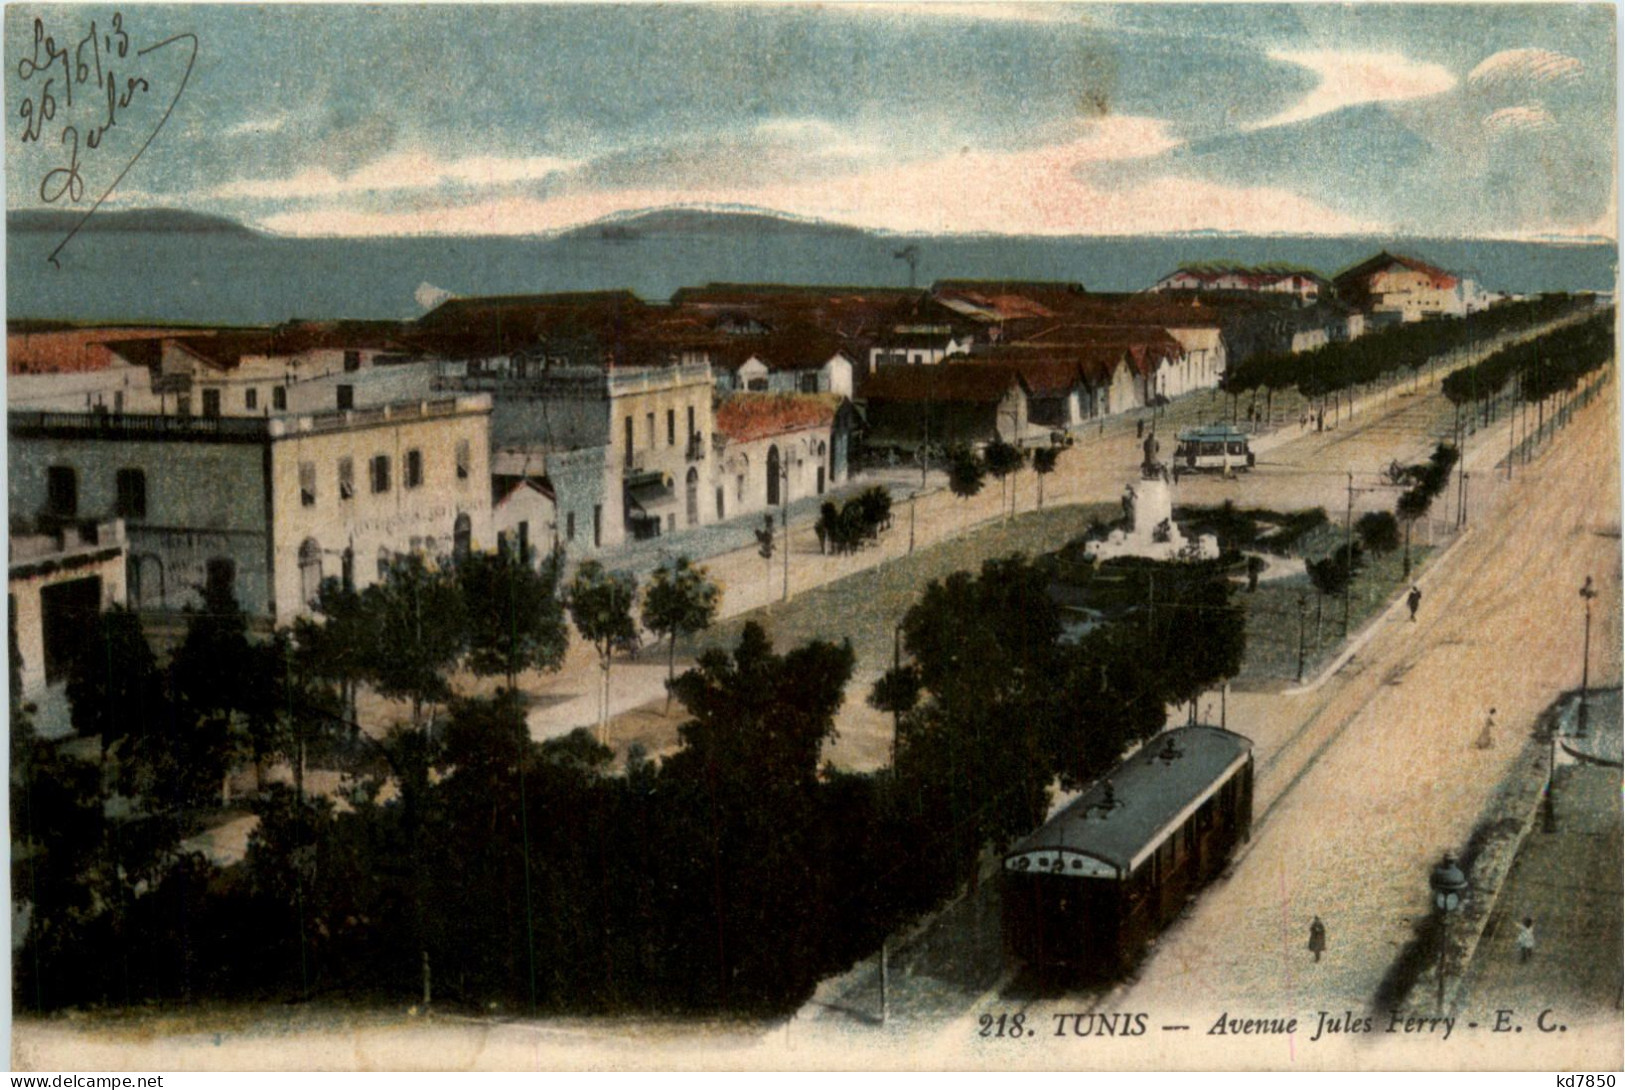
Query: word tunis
x=1094, y=1024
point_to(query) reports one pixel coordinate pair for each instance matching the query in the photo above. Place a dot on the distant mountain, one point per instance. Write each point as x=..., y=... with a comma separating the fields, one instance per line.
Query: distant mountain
x=710, y=223
x=166, y=220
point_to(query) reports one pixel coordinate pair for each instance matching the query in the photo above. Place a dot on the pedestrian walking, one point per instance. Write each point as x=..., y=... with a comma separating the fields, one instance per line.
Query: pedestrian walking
x=1526, y=939
x=1486, y=737
x=1317, y=938
x=1139, y=429
x=1413, y=600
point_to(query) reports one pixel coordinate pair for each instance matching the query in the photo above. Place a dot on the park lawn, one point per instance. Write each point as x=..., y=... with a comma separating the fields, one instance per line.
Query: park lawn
x=866, y=607
x=1273, y=612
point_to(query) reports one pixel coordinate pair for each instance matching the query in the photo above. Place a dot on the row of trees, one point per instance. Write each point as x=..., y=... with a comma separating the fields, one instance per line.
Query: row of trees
x=1408, y=346
x=1553, y=364
x=968, y=470
x=469, y=864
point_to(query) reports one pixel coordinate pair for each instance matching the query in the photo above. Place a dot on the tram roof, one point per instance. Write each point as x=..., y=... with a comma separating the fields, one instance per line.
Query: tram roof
x=1152, y=792
x=1212, y=433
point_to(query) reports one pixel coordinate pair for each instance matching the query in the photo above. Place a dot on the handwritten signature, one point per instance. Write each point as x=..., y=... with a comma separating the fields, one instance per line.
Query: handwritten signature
x=96, y=65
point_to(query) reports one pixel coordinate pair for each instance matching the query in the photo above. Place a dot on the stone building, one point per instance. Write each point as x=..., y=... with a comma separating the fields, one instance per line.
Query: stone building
x=61, y=573
x=265, y=505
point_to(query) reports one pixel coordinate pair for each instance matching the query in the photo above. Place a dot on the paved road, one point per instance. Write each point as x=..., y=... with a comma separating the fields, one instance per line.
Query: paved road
x=1364, y=783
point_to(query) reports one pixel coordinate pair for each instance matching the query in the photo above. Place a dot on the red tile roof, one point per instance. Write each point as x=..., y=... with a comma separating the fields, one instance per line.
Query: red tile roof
x=1046, y=374
x=984, y=384
x=745, y=416
x=1356, y=277
x=61, y=351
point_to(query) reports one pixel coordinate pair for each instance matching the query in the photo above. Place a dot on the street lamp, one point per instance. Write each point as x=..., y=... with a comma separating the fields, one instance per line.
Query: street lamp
x=1449, y=887
x=1303, y=617
x=1587, y=593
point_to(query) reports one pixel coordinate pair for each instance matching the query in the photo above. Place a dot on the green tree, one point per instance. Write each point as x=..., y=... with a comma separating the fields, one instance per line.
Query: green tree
x=420, y=619
x=114, y=685
x=339, y=646
x=1044, y=459
x=1378, y=531
x=679, y=599
x=1002, y=460
x=600, y=603
x=966, y=472
x=515, y=617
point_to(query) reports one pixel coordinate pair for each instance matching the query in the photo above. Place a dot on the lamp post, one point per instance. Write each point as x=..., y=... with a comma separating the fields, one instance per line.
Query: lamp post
x=1449, y=887
x=1587, y=593
x=1303, y=617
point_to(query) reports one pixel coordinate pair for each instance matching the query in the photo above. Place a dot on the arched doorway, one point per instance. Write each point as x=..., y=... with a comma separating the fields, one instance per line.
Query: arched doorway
x=462, y=537
x=693, y=496
x=773, y=476
x=822, y=464
x=310, y=570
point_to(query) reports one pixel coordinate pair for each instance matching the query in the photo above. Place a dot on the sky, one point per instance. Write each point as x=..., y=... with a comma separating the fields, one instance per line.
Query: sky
x=1468, y=120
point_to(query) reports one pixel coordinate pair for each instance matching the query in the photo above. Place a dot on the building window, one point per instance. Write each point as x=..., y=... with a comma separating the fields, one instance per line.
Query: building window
x=132, y=494
x=524, y=542
x=414, y=468
x=597, y=525
x=307, y=484
x=220, y=576
x=380, y=473
x=251, y=399
x=462, y=537
x=211, y=402
x=569, y=526
x=279, y=398
x=310, y=570
x=720, y=514
x=691, y=423
x=671, y=427
x=352, y=360
x=758, y=385
x=62, y=491
x=465, y=460
x=629, y=439
x=183, y=405
x=739, y=489
x=649, y=427
x=346, y=478
x=809, y=382
x=346, y=400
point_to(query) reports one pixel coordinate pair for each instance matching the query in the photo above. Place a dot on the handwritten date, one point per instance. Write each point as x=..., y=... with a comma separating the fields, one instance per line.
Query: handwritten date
x=104, y=69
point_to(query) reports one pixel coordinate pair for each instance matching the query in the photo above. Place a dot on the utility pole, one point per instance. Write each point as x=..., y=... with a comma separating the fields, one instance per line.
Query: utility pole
x=1461, y=496
x=784, y=517
x=912, y=496
x=1348, y=553
x=896, y=672
x=1512, y=435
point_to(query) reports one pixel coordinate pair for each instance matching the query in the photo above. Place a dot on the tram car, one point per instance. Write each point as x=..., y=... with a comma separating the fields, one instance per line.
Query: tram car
x=1089, y=889
x=1215, y=447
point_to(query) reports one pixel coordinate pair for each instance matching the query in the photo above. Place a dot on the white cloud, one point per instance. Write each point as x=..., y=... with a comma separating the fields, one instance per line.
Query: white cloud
x=1352, y=79
x=1530, y=118
x=395, y=172
x=1043, y=191
x=259, y=126
x=999, y=11
x=1524, y=68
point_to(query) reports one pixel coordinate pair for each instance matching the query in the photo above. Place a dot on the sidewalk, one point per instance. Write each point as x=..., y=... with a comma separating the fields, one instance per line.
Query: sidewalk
x=1568, y=882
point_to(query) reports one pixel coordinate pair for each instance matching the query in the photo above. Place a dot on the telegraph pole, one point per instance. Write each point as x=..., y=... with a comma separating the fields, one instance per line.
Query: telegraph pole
x=1348, y=553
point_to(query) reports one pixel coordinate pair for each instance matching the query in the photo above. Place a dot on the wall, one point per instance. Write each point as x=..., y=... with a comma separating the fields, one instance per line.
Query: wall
x=28, y=581
x=396, y=521
x=205, y=500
